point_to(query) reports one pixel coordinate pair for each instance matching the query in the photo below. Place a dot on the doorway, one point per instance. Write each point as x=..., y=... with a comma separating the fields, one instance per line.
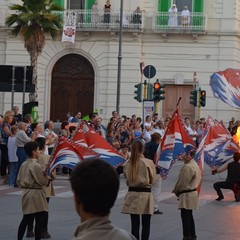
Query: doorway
x=72, y=88
x=172, y=95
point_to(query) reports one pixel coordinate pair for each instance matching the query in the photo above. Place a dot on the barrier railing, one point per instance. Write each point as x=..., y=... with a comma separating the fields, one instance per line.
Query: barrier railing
x=176, y=22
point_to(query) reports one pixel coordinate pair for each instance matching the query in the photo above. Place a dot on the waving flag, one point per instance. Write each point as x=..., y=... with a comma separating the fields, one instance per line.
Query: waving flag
x=226, y=86
x=67, y=153
x=176, y=142
x=216, y=146
x=79, y=136
x=85, y=144
x=103, y=148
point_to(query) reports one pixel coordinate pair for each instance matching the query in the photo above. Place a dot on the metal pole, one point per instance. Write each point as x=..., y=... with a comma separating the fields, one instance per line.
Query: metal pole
x=24, y=85
x=199, y=106
x=119, y=58
x=13, y=85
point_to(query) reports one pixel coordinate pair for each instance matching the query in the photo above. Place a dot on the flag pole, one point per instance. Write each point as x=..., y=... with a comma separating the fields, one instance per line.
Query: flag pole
x=178, y=102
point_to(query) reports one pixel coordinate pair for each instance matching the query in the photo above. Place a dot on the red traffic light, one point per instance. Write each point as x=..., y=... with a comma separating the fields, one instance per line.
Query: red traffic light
x=203, y=93
x=156, y=86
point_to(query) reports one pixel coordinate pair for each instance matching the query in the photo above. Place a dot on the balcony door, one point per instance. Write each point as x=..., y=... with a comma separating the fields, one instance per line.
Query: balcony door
x=72, y=88
x=80, y=4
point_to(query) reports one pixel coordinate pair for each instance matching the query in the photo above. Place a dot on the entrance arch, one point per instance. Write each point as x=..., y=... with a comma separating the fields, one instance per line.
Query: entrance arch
x=72, y=87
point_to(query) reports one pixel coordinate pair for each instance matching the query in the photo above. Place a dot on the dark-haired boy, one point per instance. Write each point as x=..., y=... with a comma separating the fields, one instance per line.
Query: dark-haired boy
x=32, y=180
x=95, y=186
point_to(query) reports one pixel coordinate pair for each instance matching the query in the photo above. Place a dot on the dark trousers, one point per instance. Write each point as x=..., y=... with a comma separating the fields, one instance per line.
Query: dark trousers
x=224, y=185
x=146, y=220
x=45, y=221
x=26, y=221
x=188, y=224
x=4, y=159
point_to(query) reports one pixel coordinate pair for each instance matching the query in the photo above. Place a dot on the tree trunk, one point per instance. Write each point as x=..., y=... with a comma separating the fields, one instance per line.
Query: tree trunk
x=34, y=61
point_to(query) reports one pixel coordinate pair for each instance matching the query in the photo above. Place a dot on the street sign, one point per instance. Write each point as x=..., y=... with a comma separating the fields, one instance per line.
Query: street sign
x=148, y=109
x=149, y=71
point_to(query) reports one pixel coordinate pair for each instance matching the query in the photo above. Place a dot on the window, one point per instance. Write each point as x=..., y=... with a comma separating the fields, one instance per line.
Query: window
x=193, y=5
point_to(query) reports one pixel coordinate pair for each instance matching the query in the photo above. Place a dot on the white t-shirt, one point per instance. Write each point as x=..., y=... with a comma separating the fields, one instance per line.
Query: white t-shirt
x=12, y=149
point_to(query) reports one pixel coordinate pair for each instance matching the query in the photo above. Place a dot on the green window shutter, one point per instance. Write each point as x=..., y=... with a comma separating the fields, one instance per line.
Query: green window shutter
x=164, y=5
x=59, y=2
x=198, y=5
x=198, y=21
x=89, y=3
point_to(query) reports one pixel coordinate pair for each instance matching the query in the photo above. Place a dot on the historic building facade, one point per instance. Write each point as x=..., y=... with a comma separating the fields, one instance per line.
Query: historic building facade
x=82, y=76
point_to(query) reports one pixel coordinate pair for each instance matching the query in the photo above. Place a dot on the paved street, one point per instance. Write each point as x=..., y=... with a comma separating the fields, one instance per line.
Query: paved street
x=214, y=220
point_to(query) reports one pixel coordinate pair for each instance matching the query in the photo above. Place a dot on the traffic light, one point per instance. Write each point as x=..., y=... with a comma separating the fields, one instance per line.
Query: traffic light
x=158, y=91
x=193, y=98
x=138, y=92
x=202, y=98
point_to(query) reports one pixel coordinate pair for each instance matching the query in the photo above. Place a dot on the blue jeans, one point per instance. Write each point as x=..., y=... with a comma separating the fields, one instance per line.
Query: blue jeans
x=21, y=159
x=13, y=171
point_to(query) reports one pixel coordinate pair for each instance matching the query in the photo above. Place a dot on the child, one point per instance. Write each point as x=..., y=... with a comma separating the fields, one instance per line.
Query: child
x=124, y=151
x=32, y=180
x=43, y=160
x=12, y=155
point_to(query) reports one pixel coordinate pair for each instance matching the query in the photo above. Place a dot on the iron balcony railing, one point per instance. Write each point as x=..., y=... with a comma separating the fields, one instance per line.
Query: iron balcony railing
x=88, y=20
x=167, y=22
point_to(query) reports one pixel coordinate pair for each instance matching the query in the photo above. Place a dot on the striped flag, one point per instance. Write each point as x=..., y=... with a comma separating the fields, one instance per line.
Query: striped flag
x=85, y=144
x=225, y=86
x=104, y=149
x=68, y=154
x=216, y=146
x=174, y=144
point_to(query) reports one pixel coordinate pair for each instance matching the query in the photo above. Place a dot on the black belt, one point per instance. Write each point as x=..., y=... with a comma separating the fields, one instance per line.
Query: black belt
x=186, y=191
x=139, y=189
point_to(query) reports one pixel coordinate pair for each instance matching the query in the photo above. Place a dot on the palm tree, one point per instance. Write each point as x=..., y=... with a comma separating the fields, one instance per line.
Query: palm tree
x=33, y=20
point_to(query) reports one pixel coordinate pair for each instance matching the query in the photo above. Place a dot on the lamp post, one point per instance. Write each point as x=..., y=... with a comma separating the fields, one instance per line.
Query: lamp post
x=119, y=58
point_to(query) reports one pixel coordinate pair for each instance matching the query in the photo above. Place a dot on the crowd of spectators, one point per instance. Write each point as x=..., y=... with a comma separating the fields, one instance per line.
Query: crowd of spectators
x=120, y=132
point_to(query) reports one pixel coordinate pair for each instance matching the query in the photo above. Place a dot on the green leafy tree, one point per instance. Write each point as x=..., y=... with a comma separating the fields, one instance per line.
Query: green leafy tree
x=33, y=20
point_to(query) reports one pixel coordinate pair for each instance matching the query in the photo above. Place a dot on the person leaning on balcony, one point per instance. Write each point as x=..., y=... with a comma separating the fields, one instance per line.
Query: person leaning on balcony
x=94, y=17
x=185, y=16
x=173, y=16
x=137, y=16
x=107, y=10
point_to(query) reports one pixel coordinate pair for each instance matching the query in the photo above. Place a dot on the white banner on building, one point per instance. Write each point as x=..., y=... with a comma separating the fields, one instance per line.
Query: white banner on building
x=69, y=27
x=69, y=33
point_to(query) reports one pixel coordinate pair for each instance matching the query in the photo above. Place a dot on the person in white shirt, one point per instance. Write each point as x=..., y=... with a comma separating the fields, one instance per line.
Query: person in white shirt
x=50, y=135
x=191, y=131
x=185, y=16
x=147, y=129
x=12, y=155
x=159, y=128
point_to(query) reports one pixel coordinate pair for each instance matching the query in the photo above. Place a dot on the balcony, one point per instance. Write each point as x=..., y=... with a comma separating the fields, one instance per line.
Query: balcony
x=88, y=20
x=164, y=22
